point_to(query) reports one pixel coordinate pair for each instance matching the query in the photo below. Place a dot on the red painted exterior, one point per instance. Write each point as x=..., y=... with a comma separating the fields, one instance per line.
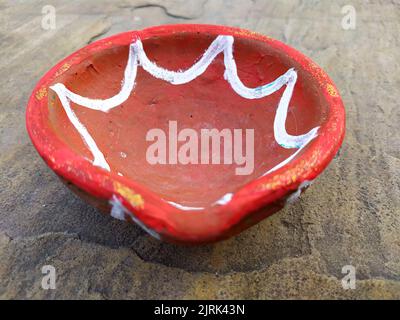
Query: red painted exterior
x=249, y=205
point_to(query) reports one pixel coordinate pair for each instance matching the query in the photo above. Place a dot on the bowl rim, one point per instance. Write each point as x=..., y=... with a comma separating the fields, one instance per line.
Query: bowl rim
x=160, y=218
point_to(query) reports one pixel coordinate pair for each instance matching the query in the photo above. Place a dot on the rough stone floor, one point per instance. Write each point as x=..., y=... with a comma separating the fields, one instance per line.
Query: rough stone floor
x=350, y=216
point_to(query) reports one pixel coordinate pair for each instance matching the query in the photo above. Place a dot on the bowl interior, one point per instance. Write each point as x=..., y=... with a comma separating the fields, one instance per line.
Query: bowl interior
x=206, y=102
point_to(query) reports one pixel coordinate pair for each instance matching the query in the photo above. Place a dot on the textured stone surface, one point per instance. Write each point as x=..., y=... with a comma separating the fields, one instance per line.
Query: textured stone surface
x=351, y=215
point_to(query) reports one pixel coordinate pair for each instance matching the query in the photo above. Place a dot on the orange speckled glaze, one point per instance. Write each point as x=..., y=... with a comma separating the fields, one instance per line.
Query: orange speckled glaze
x=250, y=203
x=41, y=93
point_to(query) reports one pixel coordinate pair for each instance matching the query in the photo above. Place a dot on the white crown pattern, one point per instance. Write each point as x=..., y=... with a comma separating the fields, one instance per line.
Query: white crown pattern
x=137, y=57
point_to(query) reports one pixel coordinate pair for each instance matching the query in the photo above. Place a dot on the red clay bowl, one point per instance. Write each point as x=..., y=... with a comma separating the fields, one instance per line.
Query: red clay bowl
x=243, y=81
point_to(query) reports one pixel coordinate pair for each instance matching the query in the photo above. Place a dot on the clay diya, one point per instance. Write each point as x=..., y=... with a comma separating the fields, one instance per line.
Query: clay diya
x=96, y=116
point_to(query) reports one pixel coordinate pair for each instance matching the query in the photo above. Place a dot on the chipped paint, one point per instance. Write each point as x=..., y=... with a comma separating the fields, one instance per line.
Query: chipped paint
x=296, y=195
x=120, y=212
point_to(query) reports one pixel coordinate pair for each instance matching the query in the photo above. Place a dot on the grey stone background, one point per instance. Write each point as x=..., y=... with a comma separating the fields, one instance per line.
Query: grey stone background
x=351, y=215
